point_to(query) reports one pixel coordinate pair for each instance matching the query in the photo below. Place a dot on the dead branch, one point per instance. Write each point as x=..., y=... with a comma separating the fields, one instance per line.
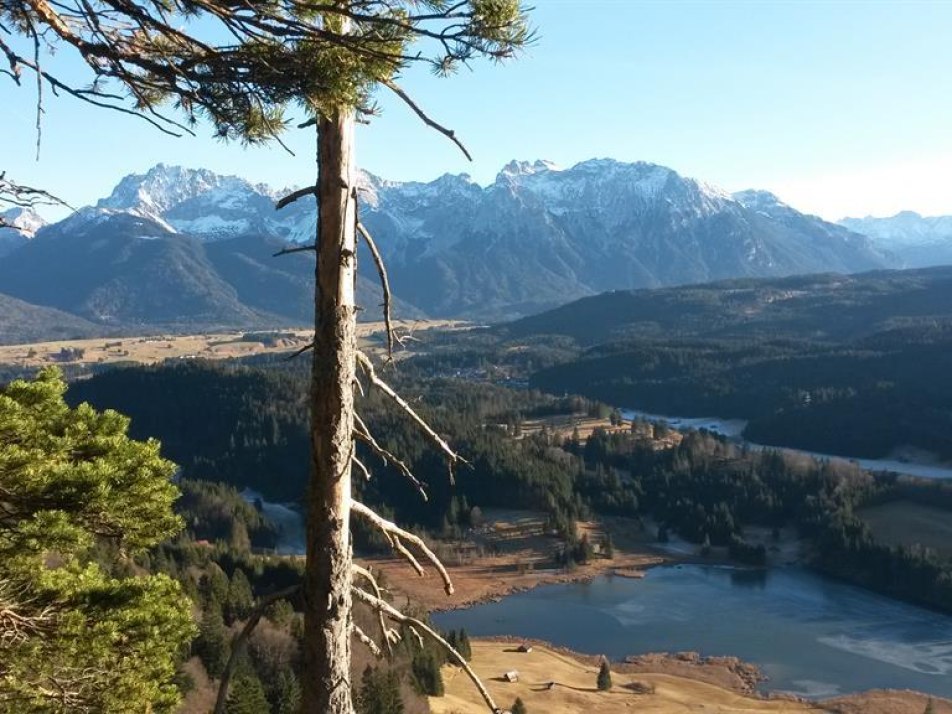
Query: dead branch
x=452, y=457
x=238, y=643
x=395, y=532
x=17, y=195
x=297, y=249
x=300, y=351
x=384, y=286
x=366, y=641
x=397, y=616
x=402, y=550
x=449, y=133
x=360, y=465
x=294, y=196
x=388, y=635
x=362, y=432
x=21, y=617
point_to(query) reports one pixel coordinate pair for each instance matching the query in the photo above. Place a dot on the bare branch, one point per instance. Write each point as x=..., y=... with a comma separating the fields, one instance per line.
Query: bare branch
x=395, y=532
x=390, y=611
x=452, y=457
x=309, y=248
x=402, y=550
x=388, y=635
x=384, y=286
x=300, y=351
x=362, y=432
x=449, y=133
x=366, y=641
x=294, y=196
x=18, y=195
x=360, y=465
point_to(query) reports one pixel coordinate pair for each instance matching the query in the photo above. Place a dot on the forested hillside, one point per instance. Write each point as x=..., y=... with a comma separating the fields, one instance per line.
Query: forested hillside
x=857, y=366
x=703, y=488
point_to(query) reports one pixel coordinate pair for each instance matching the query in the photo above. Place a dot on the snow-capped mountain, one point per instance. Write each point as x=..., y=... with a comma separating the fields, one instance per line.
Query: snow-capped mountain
x=920, y=241
x=17, y=226
x=537, y=236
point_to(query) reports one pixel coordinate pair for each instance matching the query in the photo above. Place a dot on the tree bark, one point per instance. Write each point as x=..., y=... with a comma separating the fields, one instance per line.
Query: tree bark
x=327, y=581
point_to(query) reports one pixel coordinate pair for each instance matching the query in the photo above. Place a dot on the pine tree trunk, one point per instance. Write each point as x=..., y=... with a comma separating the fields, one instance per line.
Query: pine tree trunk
x=327, y=609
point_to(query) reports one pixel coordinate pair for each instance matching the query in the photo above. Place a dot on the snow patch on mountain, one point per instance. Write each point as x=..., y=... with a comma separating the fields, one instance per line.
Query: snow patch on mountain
x=907, y=228
x=24, y=221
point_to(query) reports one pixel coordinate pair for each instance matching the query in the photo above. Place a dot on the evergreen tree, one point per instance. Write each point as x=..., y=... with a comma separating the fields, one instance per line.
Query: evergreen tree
x=379, y=693
x=246, y=696
x=426, y=673
x=930, y=707
x=518, y=706
x=212, y=643
x=77, y=492
x=604, y=680
x=280, y=613
x=286, y=693
x=213, y=587
x=240, y=600
x=464, y=648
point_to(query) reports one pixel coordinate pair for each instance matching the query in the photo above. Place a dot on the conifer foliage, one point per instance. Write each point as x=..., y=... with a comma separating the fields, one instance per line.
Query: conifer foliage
x=77, y=498
x=604, y=679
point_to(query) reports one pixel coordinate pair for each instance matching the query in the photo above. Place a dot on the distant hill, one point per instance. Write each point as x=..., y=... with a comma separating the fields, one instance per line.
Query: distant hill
x=854, y=365
x=815, y=307
x=21, y=322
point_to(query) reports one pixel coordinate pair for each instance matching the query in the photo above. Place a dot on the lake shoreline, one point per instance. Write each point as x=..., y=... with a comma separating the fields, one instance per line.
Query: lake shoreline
x=483, y=582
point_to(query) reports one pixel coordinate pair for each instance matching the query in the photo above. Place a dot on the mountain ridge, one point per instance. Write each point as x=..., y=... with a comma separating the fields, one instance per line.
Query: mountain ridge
x=192, y=246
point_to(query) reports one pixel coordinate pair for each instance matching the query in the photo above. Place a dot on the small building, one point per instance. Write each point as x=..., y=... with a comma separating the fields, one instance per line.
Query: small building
x=511, y=677
x=525, y=648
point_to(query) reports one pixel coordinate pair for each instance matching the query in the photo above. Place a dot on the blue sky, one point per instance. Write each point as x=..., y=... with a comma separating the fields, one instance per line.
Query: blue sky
x=841, y=108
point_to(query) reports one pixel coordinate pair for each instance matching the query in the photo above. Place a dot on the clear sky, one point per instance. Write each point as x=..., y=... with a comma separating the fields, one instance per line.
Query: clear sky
x=840, y=108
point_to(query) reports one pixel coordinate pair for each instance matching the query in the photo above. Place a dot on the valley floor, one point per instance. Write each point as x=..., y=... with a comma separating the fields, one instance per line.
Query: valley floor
x=666, y=687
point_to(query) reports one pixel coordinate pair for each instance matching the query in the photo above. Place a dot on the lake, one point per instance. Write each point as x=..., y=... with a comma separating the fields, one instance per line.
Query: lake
x=810, y=635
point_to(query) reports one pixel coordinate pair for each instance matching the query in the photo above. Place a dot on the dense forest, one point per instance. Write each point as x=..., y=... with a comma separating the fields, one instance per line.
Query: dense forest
x=852, y=365
x=219, y=566
x=246, y=425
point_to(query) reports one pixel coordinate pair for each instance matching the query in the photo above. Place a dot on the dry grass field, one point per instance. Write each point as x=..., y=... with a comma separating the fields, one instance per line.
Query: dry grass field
x=908, y=523
x=149, y=349
x=511, y=552
x=574, y=689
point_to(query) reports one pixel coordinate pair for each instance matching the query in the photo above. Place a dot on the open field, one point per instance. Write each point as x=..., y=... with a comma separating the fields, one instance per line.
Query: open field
x=512, y=553
x=574, y=689
x=665, y=686
x=908, y=523
x=564, y=426
x=149, y=349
